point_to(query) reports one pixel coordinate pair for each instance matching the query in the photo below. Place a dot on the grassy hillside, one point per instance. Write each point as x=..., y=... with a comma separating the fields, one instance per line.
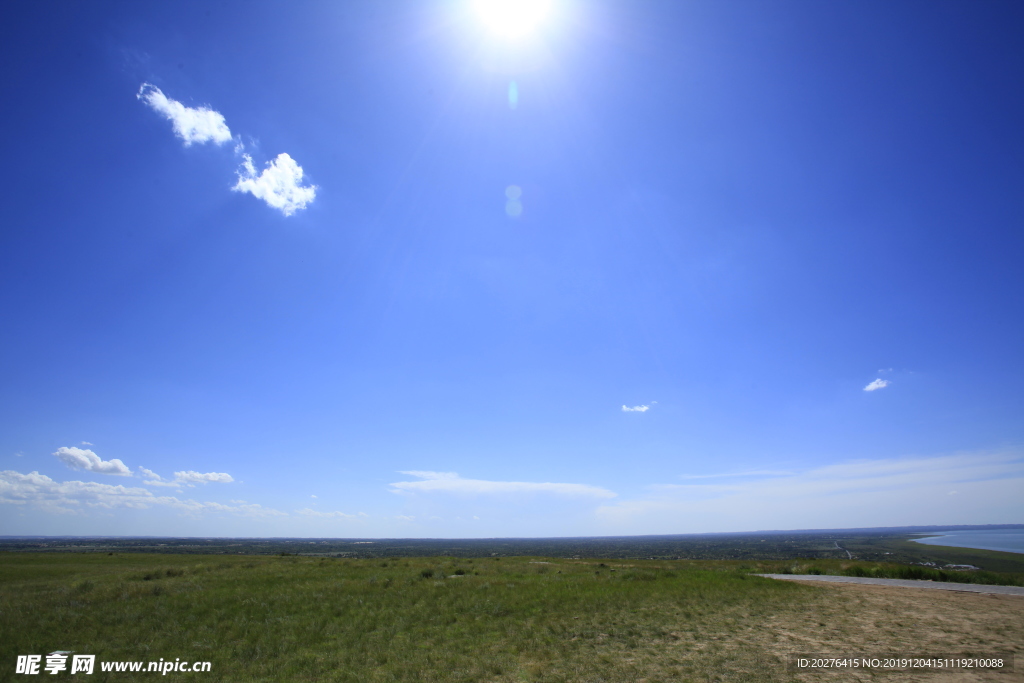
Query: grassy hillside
x=426, y=619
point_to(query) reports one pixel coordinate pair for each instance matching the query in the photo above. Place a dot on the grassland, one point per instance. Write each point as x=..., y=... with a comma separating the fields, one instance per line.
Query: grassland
x=291, y=618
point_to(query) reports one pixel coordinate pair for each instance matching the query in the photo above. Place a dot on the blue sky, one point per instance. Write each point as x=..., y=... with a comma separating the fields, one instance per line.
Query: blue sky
x=385, y=270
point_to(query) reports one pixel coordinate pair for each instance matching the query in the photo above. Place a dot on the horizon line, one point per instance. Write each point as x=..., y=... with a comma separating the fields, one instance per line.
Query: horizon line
x=908, y=528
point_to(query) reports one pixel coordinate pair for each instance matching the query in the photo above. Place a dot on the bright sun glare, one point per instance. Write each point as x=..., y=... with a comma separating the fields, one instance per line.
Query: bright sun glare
x=512, y=18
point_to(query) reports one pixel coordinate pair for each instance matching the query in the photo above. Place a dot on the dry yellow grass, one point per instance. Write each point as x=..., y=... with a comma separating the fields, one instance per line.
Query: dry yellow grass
x=848, y=619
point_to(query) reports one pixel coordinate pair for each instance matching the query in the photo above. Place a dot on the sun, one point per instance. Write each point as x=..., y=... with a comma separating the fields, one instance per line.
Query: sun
x=512, y=18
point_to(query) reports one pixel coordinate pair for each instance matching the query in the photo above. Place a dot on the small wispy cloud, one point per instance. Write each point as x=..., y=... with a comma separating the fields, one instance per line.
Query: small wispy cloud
x=191, y=124
x=147, y=473
x=726, y=475
x=635, y=409
x=451, y=482
x=877, y=384
x=84, y=459
x=337, y=515
x=185, y=478
x=279, y=184
x=85, y=443
x=192, y=477
x=151, y=478
x=427, y=474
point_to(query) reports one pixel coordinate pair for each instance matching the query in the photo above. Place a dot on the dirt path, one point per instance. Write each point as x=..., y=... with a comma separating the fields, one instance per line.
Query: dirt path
x=903, y=583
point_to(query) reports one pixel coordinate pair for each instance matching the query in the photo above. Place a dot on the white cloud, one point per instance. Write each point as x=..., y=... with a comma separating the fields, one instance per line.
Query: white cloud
x=149, y=474
x=451, y=482
x=191, y=124
x=84, y=459
x=752, y=473
x=192, y=477
x=315, y=513
x=427, y=474
x=635, y=409
x=865, y=493
x=279, y=185
x=85, y=443
x=40, y=491
x=154, y=479
x=185, y=478
x=877, y=384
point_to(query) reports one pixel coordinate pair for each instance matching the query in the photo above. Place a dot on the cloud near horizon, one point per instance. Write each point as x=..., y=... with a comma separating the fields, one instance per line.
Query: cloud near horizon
x=451, y=482
x=40, y=491
x=859, y=493
x=84, y=459
x=877, y=384
x=191, y=124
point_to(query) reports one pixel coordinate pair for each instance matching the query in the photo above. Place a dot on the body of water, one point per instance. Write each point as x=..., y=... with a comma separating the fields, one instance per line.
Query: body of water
x=1007, y=540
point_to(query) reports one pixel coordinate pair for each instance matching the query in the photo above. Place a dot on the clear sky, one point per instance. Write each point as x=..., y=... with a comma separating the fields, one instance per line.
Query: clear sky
x=421, y=269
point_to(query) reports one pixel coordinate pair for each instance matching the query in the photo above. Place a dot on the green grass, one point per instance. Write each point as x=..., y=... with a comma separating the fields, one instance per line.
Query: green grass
x=302, y=619
x=293, y=618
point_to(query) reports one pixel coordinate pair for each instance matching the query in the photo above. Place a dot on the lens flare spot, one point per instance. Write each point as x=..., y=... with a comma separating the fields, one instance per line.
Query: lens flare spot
x=513, y=207
x=513, y=95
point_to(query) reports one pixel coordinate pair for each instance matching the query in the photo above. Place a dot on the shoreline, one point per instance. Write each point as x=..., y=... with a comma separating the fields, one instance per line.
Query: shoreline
x=924, y=541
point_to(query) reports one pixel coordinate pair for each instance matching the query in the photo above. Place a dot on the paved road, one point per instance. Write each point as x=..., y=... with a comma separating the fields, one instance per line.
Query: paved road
x=905, y=583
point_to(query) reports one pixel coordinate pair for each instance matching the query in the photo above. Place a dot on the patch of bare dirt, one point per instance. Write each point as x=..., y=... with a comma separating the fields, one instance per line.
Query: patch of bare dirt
x=859, y=619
